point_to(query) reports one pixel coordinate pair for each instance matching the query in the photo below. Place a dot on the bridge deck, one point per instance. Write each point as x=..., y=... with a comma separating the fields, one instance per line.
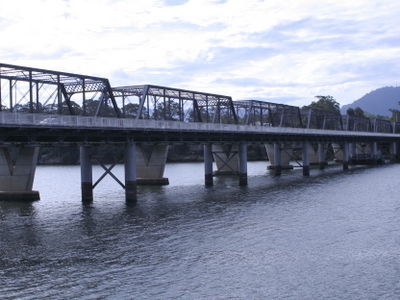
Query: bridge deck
x=64, y=129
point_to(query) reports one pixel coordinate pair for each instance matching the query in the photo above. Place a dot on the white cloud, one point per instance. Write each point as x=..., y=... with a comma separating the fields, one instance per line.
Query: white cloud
x=283, y=51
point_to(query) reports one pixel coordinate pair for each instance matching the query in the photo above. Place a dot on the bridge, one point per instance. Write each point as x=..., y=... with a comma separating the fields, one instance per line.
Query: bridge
x=50, y=108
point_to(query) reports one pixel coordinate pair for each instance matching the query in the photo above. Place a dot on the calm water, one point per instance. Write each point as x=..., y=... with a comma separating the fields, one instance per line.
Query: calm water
x=334, y=235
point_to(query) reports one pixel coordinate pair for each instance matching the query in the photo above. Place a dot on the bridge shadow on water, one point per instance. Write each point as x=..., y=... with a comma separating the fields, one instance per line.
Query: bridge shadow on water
x=192, y=199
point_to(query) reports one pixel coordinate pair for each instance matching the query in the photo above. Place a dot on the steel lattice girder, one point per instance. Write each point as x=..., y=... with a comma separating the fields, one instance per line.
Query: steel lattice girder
x=197, y=100
x=69, y=83
x=380, y=125
x=322, y=119
x=161, y=91
x=286, y=115
x=356, y=123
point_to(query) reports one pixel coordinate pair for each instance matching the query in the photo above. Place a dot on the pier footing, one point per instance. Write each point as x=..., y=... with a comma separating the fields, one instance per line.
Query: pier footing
x=153, y=181
x=26, y=196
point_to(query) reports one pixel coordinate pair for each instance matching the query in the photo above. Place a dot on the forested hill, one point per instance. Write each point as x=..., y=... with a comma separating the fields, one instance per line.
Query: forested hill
x=377, y=102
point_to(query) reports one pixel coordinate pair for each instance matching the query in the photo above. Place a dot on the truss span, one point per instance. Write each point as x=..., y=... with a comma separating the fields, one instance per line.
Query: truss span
x=38, y=90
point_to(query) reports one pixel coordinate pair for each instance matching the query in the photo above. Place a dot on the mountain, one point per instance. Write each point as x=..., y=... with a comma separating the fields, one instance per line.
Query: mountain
x=377, y=102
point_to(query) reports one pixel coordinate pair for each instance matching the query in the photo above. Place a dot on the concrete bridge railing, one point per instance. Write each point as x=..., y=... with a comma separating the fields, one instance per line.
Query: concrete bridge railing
x=46, y=120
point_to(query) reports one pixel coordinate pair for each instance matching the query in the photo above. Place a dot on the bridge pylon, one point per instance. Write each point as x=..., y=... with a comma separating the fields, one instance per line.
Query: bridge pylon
x=130, y=169
x=230, y=159
x=17, y=173
x=151, y=160
x=279, y=155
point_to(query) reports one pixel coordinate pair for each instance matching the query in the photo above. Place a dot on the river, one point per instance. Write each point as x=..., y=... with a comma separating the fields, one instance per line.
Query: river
x=332, y=235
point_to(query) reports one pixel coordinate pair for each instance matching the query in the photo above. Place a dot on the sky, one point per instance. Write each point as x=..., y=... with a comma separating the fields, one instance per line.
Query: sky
x=281, y=51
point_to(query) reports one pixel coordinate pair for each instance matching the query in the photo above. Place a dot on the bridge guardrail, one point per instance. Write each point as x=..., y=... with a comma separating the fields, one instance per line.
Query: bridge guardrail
x=46, y=120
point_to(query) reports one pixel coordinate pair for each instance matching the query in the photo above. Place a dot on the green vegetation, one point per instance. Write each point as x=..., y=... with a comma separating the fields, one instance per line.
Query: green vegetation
x=327, y=103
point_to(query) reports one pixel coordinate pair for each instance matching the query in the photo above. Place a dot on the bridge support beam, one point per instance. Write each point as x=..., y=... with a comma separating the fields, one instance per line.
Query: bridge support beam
x=345, y=150
x=226, y=159
x=86, y=173
x=374, y=149
x=151, y=160
x=277, y=159
x=306, y=158
x=230, y=160
x=393, y=151
x=242, y=164
x=352, y=150
x=130, y=173
x=321, y=156
x=285, y=155
x=16, y=179
x=337, y=152
x=208, y=165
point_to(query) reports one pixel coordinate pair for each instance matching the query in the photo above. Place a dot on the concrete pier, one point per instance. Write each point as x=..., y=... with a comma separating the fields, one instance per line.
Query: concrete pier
x=86, y=173
x=151, y=160
x=285, y=155
x=374, y=147
x=243, y=164
x=208, y=165
x=17, y=175
x=306, y=158
x=352, y=150
x=130, y=173
x=226, y=158
x=321, y=156
x=277, y=159
x=393, y=151
x=345, y=150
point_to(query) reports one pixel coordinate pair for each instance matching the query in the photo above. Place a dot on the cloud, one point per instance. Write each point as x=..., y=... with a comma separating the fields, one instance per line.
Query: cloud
x=175, y=2
x=289, y=50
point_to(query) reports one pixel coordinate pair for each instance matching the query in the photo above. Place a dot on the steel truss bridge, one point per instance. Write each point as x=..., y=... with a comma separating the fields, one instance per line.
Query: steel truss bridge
x=38, y=91
x=44, y=107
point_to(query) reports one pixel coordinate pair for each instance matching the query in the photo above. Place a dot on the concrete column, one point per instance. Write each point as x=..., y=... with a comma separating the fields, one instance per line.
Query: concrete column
x=345, y=149
x=277, y=159
x=321, y=155
x=130, y=173
x=86, y=173
x=151, y=160
x=16, y=179
x=393, y=151
x=285, y=155
x=374, y=147
x=306, y=158
x=338, y=152
x=313, y=154
x=243, y=164
x=226, y=159
x=208, y=164
x=352, y=150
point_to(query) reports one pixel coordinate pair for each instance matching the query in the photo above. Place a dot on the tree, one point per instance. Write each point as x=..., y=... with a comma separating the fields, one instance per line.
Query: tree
x=355, y=112
x=131, y=110
x=350, y=112
x=168, y=111
x=359, y=112
x=327, y=103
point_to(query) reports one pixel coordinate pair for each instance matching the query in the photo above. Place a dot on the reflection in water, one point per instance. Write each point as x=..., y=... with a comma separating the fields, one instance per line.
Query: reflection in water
x=333, y=235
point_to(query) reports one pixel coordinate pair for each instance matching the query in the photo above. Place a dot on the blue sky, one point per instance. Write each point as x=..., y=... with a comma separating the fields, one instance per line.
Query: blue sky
x=279, y=51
